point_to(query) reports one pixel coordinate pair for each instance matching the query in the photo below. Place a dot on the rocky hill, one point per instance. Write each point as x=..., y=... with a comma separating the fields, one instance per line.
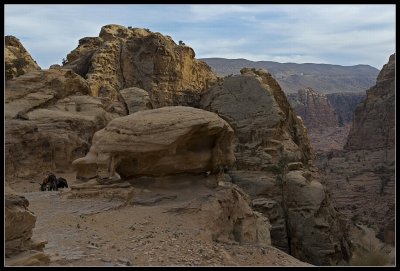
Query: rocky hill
x=314, y=108
x=345, y=104
x=17, y=60
x=122, y=57
x=292, y=77
x=151, y=175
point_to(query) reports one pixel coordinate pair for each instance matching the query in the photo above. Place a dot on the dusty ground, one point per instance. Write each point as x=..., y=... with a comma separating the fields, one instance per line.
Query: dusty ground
x=159, y=228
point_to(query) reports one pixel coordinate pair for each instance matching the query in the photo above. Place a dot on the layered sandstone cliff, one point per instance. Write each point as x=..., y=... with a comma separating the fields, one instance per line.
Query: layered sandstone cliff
x=50, y=121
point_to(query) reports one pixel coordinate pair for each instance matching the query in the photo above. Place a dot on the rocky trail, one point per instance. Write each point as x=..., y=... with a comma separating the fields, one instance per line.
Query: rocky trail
x=160, y=227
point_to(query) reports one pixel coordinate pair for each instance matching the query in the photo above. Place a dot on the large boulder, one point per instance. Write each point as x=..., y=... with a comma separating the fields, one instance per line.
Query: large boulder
x=50, y=120
x=159, y=142
x=275, y=167
x=17, y=60
x=19, y=221
x=124, y=57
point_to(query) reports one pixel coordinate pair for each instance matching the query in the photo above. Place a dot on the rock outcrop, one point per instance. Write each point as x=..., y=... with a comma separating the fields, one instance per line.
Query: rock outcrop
x=50, y=121
x=164, y=141
x=136, y=99
x=314, y=108
x=229, y=218
x=124, y=57
x=17, y=59
x=275, y=167
x=344, y=104
x=362, y=176
x=20, y=248
x=374, y=119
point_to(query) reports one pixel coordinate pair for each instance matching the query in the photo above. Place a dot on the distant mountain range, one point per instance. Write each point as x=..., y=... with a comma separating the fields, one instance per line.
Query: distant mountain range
x=325, y=78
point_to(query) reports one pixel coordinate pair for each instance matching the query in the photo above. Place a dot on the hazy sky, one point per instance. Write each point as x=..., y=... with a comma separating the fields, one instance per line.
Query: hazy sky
x=334, y=34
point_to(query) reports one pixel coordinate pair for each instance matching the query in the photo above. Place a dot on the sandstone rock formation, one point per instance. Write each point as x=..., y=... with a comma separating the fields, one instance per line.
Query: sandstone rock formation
x=133, y=57
x=275, y=167
x=20, y=248
x=374, y=119
x=158, y=142
x=362, y=176
x=314, y=108
x=344, y=104
x=17, y=59
x=136, y=99
x=50, y=121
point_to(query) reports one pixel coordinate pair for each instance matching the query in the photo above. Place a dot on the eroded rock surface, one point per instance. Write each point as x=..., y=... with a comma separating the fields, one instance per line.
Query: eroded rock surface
x=275, y=167
x=374, y=119
x=314, y=108
x=50, y=121
x=17, y=59
x=162, y=141
x=124, y=57
x=20, y=248
x=362, y=176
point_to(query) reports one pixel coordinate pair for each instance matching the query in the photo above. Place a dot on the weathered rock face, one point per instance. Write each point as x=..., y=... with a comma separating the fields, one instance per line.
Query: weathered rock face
x=344, y=104
x=20, y=249
x=258, y=111
x=133, y=57
x=374, y=119
x=275, y=167
x=159, y=142
x=17, y=59
x=313, y=108
x=136, y=99
x=50, y=120
x=229, y=217
x=362, y=176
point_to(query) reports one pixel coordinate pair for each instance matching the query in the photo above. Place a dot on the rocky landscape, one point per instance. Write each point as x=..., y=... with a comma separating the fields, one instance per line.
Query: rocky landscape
x=314, y=108
x=361, y=176
x=291, y=77
x=167, y=163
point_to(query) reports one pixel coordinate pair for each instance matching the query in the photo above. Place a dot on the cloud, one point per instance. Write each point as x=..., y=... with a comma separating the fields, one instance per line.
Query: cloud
x=337, y=34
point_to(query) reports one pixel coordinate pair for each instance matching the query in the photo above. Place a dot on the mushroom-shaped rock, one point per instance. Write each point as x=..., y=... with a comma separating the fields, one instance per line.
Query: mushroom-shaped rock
x=164, y=141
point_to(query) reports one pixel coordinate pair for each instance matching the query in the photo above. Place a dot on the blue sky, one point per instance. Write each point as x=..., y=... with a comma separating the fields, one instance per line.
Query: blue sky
x=333, y=34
